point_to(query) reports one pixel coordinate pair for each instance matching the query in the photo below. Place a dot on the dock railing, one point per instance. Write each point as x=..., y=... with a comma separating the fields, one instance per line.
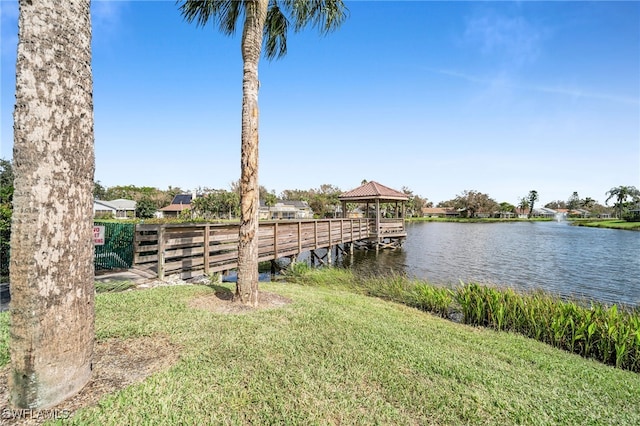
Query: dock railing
x=195, y=249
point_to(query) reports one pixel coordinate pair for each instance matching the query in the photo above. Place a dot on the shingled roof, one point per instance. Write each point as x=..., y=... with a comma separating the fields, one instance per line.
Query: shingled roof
x=372, y=191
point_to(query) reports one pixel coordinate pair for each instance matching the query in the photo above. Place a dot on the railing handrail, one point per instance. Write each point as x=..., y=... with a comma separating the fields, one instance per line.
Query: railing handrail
x=213, y=247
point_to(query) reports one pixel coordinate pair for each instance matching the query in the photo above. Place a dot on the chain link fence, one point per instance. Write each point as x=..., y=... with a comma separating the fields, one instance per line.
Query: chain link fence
x=117, y=250
x=115, y=253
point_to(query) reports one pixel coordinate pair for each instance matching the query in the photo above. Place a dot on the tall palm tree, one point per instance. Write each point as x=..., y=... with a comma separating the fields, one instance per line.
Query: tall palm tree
x=532, y=197
x=51, y=270
x=265, y=24
x=621, y=194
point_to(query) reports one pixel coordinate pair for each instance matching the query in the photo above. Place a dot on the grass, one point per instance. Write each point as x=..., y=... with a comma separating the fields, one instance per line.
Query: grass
x=607, y=223
x=608, y=334
x=338, y=357
x=4, y=338
x=477, y=219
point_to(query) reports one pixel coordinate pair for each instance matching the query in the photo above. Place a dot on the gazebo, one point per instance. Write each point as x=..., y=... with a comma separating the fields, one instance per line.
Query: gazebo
x=384, y=232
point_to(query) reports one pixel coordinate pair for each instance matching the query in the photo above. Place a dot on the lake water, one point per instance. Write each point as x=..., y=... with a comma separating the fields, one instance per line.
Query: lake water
x=592, y=263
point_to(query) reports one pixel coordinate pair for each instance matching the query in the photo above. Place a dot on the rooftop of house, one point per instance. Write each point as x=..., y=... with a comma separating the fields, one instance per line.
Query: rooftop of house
x=119, y=204
x=182, y=199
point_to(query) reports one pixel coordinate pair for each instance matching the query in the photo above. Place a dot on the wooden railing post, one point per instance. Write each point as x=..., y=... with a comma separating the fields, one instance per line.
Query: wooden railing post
x=315, y=234
x=329, y=226
x=206, y=253
x=275, y=240
x=161, y=252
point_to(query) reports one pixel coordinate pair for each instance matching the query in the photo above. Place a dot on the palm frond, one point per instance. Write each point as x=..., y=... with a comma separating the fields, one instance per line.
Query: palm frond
x=324, y=15
x=223, y=13
x=275, y=32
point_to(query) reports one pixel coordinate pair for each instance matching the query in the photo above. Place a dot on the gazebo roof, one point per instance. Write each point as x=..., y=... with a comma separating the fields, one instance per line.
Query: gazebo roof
x=373, y=191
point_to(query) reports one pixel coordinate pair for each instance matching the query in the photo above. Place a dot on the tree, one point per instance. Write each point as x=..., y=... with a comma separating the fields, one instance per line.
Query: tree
x=557, y=204
x=532, y=197
x=6, y=181
x=146, y=208
x=523, y=205
x=216, y=204
x=415, y=203
x=473, y=202
x=52, y=306
x=295, y=195
x=6, y=209
x=324, y=200
x=573, y=203
x=507, y=207
x=588, y=203
x=622, y=194
x=99, y=191
x=262, y=18
x=270, y=199
x=159, y=197
x=230, y=203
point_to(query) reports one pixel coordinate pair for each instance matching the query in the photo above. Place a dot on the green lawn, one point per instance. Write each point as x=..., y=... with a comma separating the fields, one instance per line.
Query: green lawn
x=608, y=223
x=335, y=357
x=477, y=219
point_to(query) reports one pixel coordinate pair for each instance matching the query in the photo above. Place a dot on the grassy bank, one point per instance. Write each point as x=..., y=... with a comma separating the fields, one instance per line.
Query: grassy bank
x=607, y=334
x=337, y=357
x=607, y=223
x=476, y=219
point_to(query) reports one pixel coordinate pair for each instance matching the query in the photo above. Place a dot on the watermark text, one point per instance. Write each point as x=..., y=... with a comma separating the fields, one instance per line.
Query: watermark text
x=28, y=413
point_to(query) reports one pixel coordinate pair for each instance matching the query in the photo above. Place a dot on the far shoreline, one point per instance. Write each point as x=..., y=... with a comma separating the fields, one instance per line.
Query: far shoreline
x=588, y=222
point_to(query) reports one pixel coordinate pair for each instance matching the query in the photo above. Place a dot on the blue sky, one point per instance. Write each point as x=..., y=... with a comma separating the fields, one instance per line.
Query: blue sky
x=441, y=97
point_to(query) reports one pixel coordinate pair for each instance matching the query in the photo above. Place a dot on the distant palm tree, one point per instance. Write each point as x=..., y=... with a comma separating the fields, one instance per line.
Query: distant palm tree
x=523, y=205
x=532, y=198
x=621, y=194
x=262, y=18
x=270, y=199
x=573, y=203
x=51, y=271
x=587, y=203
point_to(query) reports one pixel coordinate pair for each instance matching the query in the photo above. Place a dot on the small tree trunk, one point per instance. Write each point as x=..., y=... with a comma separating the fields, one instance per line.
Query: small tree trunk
x=51, y=270
x=247, y=286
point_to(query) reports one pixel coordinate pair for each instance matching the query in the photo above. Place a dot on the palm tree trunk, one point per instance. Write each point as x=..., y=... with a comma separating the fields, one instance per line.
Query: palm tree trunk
x=247, y=286
x=51, y=271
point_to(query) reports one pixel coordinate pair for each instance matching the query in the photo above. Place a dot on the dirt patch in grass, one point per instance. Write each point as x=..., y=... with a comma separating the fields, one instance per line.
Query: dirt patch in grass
x=222, y=302
x=117, y=364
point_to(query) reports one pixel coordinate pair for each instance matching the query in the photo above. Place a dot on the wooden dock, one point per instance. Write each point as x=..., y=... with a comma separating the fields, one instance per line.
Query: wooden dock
x=195, y=249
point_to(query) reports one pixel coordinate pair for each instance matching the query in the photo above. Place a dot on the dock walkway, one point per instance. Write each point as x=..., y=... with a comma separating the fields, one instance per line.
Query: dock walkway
x=195, y=249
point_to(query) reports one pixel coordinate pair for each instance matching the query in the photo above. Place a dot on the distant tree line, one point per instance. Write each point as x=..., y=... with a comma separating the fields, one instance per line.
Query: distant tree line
x=225, y=203
x=213, y=203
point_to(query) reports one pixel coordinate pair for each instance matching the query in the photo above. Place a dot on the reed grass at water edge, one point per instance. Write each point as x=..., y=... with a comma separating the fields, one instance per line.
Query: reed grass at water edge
x=607, y=334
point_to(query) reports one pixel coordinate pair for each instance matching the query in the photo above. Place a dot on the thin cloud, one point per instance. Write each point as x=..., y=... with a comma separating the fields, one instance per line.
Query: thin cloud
x=573, y=92
x=578, y=93
x=106, y=14
x=512, y=38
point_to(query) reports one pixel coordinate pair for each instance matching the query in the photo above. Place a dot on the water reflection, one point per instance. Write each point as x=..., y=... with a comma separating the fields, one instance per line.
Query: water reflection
x=372, y=263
